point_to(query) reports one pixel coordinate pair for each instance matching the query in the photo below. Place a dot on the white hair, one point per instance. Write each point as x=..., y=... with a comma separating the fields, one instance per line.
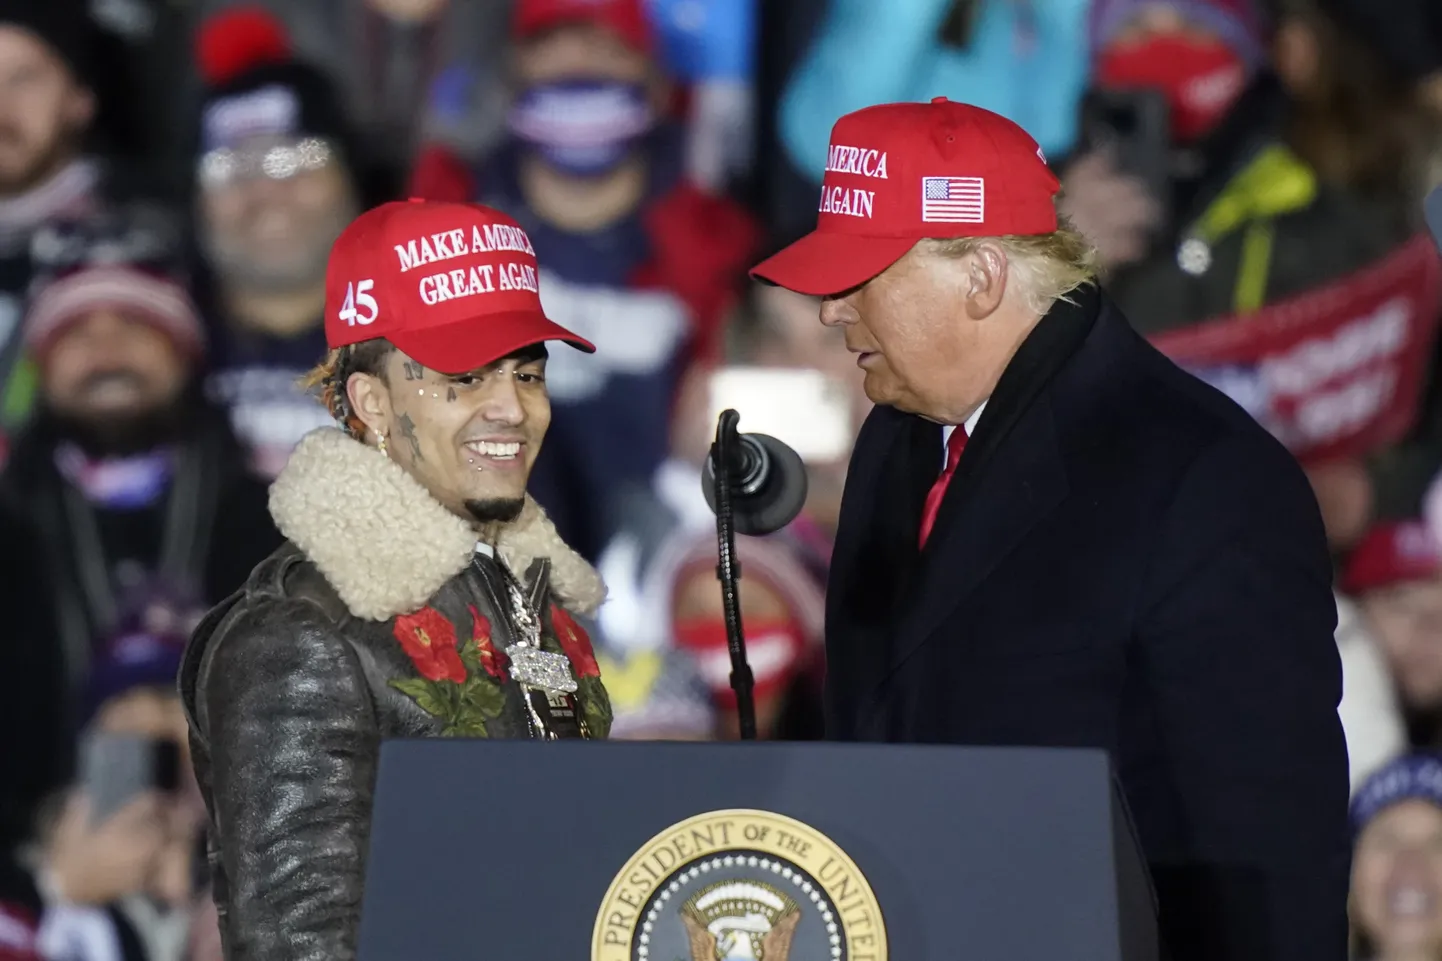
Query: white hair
x=1046, y=267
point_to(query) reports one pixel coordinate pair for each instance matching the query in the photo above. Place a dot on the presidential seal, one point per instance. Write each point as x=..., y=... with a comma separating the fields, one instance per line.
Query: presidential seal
x=739, y=886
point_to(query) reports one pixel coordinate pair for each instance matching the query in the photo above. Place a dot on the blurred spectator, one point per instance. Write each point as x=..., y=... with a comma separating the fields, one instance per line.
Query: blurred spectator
x=46, y=108
x=121, y=886
x=1018, y=58
x=1354, y=70
x=637, y=259
x=408, y=71
x=276, y=184
x=1407, y=38
x=656, y=696
x=1234, y=162
x=1396, y=575
x=125, y=472
x=1396, y=902
x=1275, y=184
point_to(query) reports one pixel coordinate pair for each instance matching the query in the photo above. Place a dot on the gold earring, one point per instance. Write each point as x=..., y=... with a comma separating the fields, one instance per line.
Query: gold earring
x=381, y=444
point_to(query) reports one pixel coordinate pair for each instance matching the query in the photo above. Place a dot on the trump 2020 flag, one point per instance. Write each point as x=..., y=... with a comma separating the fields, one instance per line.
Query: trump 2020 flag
x=953, y=200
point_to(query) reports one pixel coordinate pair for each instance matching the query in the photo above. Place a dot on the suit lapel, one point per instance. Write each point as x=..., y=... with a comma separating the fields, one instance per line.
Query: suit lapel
x=874, y=557
x=983, y=517
x=1011, y=475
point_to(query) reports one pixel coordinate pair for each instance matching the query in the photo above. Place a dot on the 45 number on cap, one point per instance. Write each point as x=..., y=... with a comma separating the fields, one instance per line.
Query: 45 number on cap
x=357, y=295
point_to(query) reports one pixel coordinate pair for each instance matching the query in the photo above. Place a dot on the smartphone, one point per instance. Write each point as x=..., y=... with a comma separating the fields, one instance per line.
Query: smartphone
x=1433, y=212
x=1135, y=125
x=117, y=768
x=804, y=409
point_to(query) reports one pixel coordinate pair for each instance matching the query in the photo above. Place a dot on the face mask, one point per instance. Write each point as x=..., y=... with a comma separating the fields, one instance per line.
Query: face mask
x=1200, y=79
x=582, y=127
x=773, y=649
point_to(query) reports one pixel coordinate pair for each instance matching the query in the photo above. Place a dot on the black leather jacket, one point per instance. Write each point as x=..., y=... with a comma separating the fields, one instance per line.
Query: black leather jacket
x=289, y=693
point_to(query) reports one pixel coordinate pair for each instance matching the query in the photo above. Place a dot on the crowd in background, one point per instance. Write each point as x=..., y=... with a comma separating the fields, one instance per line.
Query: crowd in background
x=172, y=175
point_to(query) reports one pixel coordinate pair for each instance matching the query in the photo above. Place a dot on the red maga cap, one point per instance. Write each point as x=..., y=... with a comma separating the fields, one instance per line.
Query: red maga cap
x=900, y=172
x=1390, y=554
x=454, y=286
x=625, y=18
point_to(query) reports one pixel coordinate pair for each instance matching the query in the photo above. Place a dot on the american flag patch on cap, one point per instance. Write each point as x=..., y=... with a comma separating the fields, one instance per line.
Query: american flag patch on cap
x=953, y=200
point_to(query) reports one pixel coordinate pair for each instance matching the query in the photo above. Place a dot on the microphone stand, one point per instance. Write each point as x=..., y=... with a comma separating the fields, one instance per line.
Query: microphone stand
x=728, y=571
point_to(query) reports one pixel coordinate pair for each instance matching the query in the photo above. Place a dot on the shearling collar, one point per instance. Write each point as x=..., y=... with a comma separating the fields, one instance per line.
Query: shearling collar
x=386, y=545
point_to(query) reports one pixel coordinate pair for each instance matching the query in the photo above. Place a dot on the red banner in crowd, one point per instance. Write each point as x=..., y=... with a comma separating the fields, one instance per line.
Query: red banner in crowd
x=1336, y=372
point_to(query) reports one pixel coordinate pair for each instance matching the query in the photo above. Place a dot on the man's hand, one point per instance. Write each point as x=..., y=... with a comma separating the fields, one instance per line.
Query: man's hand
x=1112, y=209
x=99, y=863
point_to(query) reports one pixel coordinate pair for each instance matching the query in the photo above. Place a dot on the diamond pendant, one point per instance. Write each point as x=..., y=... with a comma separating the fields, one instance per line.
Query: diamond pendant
x=544, y=670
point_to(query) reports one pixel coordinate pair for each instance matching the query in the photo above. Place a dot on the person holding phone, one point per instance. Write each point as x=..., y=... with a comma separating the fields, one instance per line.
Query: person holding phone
x=116, y=865
x=1053, y=536
x=1290, y=157
x=1196, y=57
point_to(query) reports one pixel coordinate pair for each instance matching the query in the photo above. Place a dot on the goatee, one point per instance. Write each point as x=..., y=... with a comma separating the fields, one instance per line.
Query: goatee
x=497, y=510
x=121, y=435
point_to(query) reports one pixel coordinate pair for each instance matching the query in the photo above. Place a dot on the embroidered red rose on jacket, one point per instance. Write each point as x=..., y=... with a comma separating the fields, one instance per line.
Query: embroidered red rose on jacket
x=429, y=640
x=493, y=661
x=575, y=642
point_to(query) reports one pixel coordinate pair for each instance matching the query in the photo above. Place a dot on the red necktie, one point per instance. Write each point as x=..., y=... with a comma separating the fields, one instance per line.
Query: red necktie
x=955, y=444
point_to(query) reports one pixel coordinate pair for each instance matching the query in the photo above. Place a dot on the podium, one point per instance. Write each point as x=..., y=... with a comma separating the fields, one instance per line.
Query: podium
x=631, y=851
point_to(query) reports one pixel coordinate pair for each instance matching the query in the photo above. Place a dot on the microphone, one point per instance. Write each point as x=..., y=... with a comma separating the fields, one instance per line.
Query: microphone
x=767, y=481
x=755, y=484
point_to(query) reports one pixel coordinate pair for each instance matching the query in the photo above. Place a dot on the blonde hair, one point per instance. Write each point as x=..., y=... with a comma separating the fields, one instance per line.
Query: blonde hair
x=1048, y=267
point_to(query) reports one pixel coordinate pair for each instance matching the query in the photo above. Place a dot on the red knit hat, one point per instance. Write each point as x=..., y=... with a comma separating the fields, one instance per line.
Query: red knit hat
x=625, y=18
x=144, y=295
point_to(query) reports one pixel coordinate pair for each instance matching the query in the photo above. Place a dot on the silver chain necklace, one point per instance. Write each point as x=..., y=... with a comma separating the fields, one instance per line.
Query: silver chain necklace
x=530, y=665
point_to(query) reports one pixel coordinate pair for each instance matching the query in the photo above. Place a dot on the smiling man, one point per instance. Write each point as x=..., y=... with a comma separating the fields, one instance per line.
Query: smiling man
x=1103, y=552
x=422, y=592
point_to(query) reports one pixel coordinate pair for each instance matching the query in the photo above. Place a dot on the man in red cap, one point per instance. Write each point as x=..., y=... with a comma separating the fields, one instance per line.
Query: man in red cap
x=1395, y=575
x=1053, y=536
x=421, y=592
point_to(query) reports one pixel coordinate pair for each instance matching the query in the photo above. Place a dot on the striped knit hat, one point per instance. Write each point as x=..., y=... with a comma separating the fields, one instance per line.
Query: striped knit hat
x=123, y=261
x=1239, y=23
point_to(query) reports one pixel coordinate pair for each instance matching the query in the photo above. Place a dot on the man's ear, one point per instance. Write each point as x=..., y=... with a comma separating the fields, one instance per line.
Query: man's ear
x=370, y=399
x=986, y=276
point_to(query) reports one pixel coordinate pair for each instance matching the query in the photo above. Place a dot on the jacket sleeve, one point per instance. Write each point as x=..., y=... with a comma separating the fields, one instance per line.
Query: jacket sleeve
x=1237, y=647
x=293, y=747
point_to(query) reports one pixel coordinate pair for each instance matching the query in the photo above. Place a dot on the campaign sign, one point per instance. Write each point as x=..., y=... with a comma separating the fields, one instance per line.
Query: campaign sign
x=1335, y=372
